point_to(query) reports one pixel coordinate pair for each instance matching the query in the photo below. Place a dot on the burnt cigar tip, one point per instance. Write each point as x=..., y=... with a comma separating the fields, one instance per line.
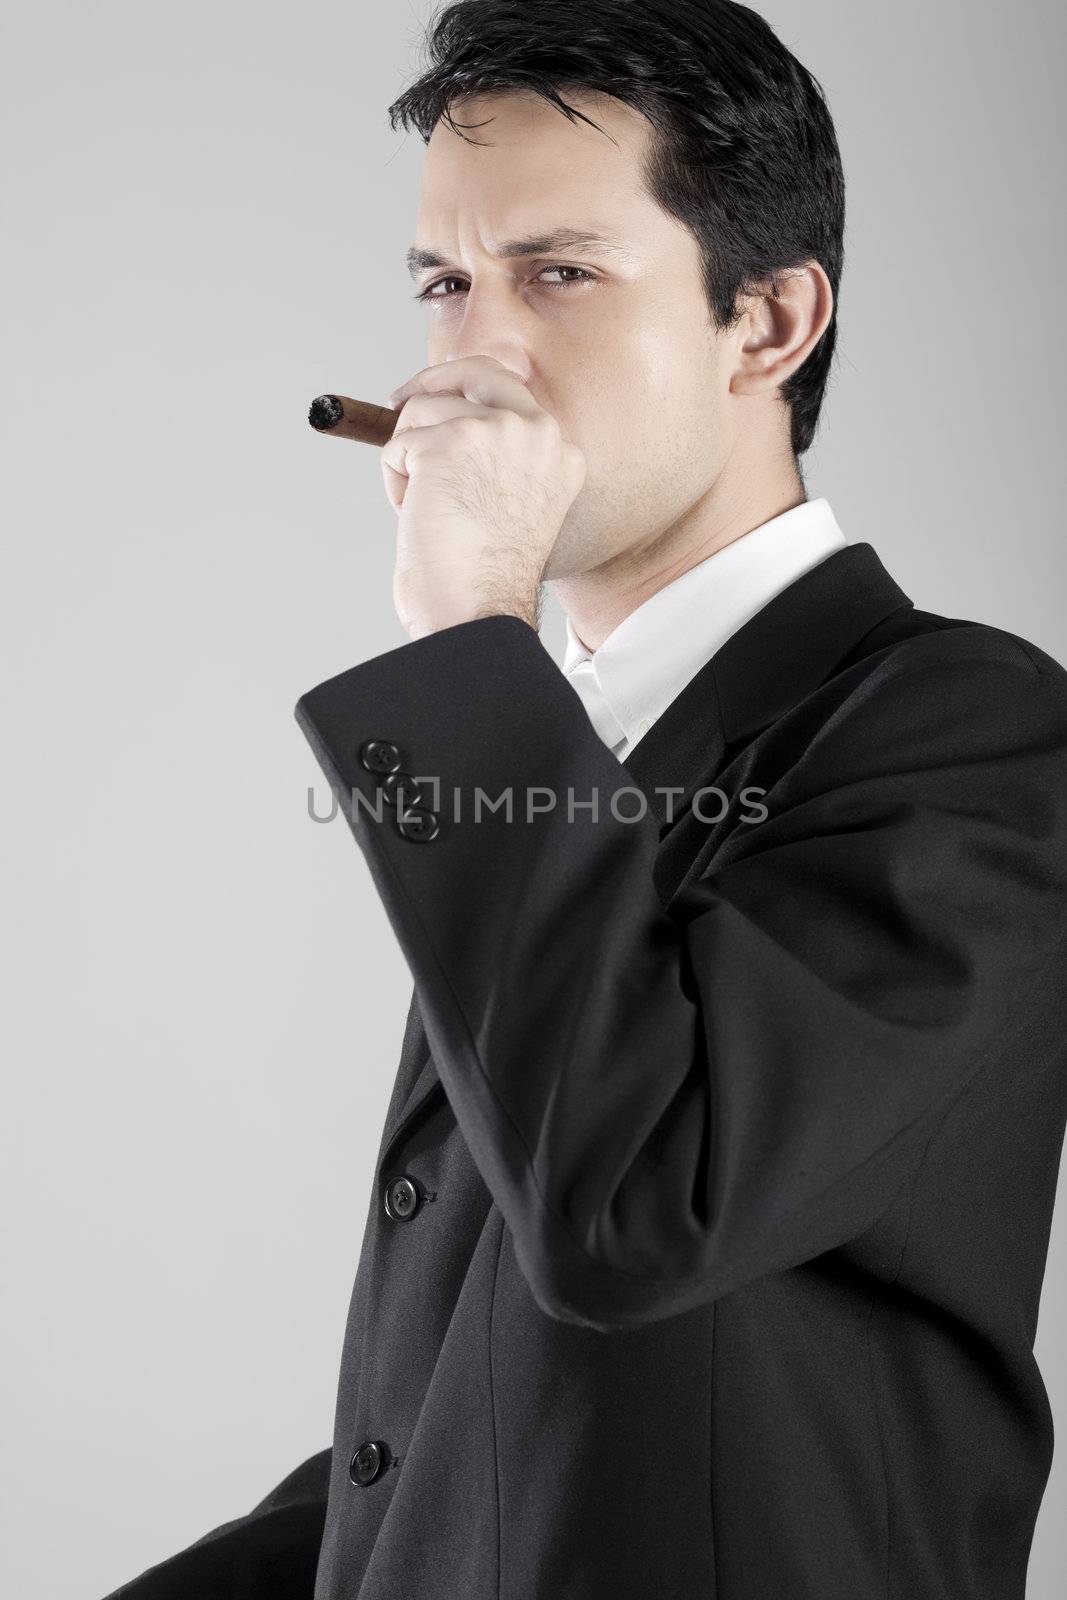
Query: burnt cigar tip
x=326, y=412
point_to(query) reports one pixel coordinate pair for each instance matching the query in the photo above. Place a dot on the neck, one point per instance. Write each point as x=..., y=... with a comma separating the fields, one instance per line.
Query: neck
x=743, y=497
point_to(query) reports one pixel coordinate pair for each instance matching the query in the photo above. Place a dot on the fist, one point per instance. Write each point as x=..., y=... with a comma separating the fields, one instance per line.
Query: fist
x=481, y=478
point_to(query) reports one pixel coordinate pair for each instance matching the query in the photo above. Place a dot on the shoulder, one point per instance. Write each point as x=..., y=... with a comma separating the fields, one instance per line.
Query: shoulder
x=961, y=659
x=961, y=636
x=947, y=695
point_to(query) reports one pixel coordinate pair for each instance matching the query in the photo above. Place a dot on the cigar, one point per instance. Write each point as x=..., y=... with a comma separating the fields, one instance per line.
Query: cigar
x=343, y=418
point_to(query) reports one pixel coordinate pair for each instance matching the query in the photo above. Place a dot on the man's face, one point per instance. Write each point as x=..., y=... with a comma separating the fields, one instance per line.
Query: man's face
x=629, y=363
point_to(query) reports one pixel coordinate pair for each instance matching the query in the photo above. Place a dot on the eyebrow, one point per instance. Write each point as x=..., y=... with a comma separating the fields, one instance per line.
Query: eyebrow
x=537, y=245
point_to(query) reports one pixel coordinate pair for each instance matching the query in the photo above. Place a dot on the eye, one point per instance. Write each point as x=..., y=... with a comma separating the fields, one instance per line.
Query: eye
x=583, y=276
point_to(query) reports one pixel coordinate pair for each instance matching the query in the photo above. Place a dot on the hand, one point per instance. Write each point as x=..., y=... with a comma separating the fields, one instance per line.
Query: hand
x=482, y=479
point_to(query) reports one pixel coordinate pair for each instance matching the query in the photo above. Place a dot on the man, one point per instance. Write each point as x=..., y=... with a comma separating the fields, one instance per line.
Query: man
x=708, y=1227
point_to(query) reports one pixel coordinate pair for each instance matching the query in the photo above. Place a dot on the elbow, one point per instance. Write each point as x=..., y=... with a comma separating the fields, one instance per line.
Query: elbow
x=584, y=1305
x=572, y=1286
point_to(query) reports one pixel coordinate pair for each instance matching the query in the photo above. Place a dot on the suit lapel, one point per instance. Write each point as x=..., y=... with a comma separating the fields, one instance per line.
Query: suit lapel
x=769, y=665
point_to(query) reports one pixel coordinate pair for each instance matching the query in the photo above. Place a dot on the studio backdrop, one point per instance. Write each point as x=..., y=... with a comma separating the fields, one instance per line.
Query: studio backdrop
x=205, y=219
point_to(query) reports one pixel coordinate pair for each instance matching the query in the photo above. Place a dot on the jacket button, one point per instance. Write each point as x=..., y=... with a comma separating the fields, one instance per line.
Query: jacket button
x=378, y=755
x=419, y=823
x=366, y=1464
x=401, y=785
x=401, y=1199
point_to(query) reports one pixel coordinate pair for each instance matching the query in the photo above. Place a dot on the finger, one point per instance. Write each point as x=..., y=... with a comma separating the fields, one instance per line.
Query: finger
x=480, y=378
x=423, y=410
x=420, y=411
x=407, y=444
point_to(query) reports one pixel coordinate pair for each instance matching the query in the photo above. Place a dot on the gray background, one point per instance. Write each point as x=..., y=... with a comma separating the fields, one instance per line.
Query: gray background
x=205, y=216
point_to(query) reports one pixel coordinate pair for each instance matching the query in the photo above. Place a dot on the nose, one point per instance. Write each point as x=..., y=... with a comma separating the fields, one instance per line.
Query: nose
x=489, y=328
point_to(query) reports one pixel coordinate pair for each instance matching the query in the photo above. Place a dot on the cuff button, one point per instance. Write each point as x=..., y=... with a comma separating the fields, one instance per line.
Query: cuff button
x=418, y=823
x=379, y=755
x=401, y=787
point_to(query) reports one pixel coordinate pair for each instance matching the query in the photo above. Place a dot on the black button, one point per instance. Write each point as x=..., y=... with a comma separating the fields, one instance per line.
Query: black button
x=402, y=1199
x=419, y=823
x=378, y=755
x=366, y=1464
x=401, y=785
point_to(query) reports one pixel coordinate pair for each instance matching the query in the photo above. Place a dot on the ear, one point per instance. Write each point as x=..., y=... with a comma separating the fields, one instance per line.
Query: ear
x=783, y=321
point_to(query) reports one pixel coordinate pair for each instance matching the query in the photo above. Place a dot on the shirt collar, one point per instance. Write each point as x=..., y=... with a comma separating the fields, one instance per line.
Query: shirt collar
x=651, y=655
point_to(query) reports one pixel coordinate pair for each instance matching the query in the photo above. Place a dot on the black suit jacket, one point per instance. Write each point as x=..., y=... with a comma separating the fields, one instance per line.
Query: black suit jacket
x=709, y=1221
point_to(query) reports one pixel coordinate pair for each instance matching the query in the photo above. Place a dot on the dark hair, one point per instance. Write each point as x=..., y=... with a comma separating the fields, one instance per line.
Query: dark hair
x=743, y=149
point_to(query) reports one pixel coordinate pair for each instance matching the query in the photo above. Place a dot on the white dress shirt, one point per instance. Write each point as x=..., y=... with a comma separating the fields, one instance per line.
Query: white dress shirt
x=647, y=660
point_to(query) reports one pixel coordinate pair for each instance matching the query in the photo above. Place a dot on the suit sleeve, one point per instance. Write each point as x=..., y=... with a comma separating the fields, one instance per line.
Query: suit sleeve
x=271, y=1553
x=668, y=1100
